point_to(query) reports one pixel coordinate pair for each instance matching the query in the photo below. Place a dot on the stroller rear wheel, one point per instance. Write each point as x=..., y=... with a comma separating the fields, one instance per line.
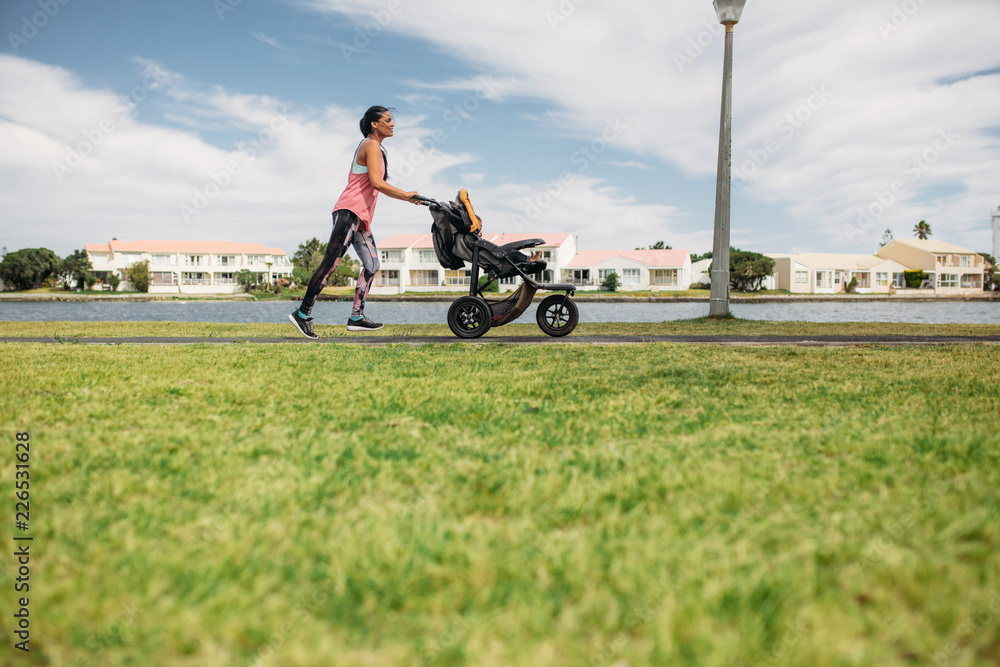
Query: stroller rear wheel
x=469, y=317
x=557, y=315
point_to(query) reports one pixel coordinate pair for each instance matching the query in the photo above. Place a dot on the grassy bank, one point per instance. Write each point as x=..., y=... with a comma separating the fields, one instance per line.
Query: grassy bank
x=503, y=505
x=690, y=327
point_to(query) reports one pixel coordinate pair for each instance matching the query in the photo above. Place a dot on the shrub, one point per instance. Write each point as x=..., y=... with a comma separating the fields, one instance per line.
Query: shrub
x=140, y=276
x=914, y=278
x=114, y=281
x=852, y=286
x=611, y=282
x=493, y=287
x=246, y=279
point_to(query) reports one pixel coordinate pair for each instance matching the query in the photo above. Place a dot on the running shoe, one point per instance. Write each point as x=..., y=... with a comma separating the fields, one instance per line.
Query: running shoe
x=363, y=324
x=303, y=324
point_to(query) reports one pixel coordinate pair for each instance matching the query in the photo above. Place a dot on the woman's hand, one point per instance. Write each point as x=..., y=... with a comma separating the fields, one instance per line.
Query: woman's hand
x=410, y=195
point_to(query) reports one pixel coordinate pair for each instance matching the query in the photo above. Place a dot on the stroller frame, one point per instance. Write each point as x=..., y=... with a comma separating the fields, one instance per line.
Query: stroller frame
x=473, y=315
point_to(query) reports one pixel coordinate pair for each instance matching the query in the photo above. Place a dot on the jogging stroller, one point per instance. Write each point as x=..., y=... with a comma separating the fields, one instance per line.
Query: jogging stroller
x=458, y=238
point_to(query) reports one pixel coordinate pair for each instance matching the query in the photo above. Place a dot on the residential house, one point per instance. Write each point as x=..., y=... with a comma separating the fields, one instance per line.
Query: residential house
x=637, y=269
x=829, y=273
x=950, y=269
x=408, y=263
x=190, y=267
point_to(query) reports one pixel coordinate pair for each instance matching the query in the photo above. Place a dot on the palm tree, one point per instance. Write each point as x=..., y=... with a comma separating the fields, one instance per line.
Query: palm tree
x=922, y=230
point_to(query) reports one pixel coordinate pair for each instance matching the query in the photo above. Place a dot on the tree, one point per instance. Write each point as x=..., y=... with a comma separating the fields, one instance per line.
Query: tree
x=29, y=267
x=347, y=270
x=246, y=279
x=991, y=278
x=114, y=281
x=747, y=270
x=659, y=245
x=309, y=255
x=611, y=282
x=922, y=230
x=698, y=258
x=886, y=237
x=77, y=271
x=140, y=276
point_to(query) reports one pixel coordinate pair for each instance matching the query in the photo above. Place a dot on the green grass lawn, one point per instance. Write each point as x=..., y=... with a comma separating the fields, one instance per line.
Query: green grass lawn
x=501, y=505
x=692, y=327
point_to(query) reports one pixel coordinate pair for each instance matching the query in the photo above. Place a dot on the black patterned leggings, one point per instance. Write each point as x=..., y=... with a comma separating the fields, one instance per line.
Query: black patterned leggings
x=345, y=233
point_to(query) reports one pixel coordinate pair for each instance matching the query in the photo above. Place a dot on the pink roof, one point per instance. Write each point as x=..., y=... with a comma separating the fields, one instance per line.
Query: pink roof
x=195, y=247
x=404, y=241
x=550, y=239
x=669, y=258
x=426, y=241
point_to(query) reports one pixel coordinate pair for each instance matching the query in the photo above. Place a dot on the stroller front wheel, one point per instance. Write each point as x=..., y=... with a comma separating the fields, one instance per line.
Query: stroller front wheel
x=469, y=317
x=557, y=315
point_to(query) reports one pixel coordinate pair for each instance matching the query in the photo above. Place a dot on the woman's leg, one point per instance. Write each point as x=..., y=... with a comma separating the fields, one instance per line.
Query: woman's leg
x=364, y=245
x=344, y=225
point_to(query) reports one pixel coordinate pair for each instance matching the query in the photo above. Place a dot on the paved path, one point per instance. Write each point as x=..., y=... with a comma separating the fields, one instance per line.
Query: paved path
x=806, y=341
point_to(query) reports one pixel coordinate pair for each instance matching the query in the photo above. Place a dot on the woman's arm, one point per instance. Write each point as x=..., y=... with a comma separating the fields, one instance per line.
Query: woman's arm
x=373, y=155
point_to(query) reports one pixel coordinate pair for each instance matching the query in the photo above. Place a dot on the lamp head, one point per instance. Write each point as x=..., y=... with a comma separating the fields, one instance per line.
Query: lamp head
x=729, y=11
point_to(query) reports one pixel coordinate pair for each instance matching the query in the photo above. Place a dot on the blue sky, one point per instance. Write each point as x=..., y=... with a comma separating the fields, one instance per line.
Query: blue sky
x=236, y=120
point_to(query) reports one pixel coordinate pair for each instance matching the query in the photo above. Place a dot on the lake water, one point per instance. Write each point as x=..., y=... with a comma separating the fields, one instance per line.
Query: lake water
x=337, y=312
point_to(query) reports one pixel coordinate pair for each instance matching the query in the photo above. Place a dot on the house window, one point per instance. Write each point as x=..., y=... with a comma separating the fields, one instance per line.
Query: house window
x=602, y=274
x=801, y=277
x=384, y=278
x=424, y=278
x=577, y=276
x=426, y=257
x=964, y=261
x=863, y=279
x=391, y=256
x=882, y=278
x=970, y=280
x=663, y=277
x=196, y=278
x=225, y=279
x=898, y=280
x=253, y=260
x=227, y=260
x=192, y=260
x=948, y=280
x=164, y=278
x=630, y=276
x=459, y=277
x=823, y=278
x=162, y=260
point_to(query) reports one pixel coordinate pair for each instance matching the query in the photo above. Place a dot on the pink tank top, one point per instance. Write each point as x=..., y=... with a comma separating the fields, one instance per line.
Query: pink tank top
x=359, y=196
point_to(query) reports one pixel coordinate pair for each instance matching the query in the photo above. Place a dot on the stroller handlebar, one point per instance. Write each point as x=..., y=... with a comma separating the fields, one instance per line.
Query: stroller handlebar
x=426, y=201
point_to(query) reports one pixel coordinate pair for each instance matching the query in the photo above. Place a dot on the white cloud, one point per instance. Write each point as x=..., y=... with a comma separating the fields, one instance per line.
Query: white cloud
x=657, y=66
x=266, y=39
x=83, y=168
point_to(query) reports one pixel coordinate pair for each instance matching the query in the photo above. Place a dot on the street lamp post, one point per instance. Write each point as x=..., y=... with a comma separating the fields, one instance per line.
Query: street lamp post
x=728, y=12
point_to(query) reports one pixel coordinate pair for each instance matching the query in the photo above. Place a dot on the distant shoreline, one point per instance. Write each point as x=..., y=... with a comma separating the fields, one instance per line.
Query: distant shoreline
x=581, y=297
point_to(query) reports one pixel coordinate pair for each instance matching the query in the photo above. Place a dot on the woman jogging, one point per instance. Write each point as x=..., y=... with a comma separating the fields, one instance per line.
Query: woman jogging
x=352, y=220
